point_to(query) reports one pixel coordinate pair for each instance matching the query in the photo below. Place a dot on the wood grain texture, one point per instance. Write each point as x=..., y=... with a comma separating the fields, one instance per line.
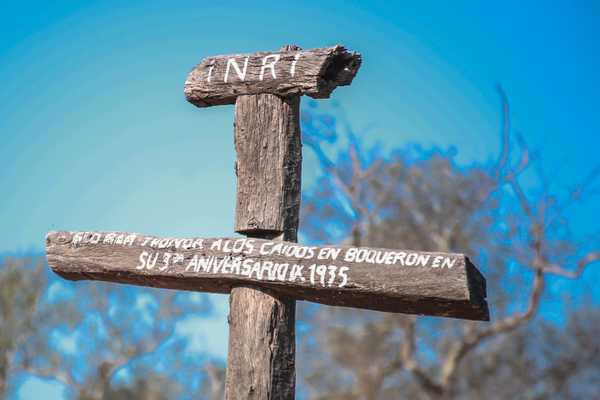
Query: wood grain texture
x=220, y=79
x=268, y=164
x=261, y=361
x=262, y=345
x=421, y=288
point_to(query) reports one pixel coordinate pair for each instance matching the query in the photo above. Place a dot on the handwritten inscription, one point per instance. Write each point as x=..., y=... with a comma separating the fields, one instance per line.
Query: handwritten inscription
x=235, y=68
x=259, y=259
x=407, y=281
x=219, y=80
x=316, y=274
x=268, y=63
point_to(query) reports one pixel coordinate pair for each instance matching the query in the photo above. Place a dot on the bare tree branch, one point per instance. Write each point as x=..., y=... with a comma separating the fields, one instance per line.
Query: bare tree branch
x=526, y=236
x=470, y=341
x=460, y=349
x=52, y=373
x=409, y=361
x=505, y=133
x=585, y=261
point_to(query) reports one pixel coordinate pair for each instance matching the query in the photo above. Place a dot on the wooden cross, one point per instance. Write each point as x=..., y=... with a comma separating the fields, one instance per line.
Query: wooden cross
x=266, y=271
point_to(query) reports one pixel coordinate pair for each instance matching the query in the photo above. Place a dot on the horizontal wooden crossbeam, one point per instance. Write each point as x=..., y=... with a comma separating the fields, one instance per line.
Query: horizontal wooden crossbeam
x=220, y=79
x=403, y=281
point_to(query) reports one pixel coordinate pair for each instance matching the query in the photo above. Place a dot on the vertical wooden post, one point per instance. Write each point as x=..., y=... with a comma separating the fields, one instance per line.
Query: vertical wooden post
x=261, y=356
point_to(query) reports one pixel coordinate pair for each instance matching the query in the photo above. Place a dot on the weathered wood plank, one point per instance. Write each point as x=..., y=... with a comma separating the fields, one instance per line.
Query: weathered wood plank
x=220, y=79
x=414, y=282
x=262, y=345
x=268, y=164
x=261, y=365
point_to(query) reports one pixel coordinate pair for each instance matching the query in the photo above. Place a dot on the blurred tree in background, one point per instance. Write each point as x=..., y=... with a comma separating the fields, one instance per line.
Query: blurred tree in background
x=21, y=285
x=517, y=233
x=106, y=341
x=101, y=341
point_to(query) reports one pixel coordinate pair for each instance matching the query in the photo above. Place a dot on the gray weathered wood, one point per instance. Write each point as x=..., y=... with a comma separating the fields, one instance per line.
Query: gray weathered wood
x=220, y=79
x=262, y=340
x=266, y=272
x=268, y=164
x=261, y=355
x=414, y=282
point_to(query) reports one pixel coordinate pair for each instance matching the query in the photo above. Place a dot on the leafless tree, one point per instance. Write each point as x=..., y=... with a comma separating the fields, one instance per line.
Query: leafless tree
x=422, y=199
x=83, y=335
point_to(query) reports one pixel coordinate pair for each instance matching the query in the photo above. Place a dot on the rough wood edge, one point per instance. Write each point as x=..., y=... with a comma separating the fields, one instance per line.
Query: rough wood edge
x=462, y=297
x=337, y=69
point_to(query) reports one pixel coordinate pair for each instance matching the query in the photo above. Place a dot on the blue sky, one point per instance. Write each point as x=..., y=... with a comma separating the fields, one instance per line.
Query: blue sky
x=95, y=133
